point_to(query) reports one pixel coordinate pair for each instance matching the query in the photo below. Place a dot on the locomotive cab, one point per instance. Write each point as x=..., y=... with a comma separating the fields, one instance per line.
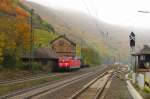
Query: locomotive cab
x=69, y=63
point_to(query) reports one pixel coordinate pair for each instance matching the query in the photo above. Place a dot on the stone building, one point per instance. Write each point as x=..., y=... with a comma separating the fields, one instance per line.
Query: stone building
x=142, y=59
x=63, y=46
x=142, y=67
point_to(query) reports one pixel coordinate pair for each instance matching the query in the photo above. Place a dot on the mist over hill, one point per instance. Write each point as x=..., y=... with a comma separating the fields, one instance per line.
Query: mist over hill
x=109, y=40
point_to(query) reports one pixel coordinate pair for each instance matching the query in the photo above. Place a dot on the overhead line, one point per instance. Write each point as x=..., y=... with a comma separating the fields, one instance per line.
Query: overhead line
x=94, y=21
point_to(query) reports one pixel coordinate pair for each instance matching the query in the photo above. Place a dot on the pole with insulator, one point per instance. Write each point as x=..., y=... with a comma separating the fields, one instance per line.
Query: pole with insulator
x=31, y=38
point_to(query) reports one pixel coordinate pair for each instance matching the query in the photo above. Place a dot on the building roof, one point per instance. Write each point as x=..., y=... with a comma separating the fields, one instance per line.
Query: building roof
x=42, y=53
x=144, y=51
x=63, y=36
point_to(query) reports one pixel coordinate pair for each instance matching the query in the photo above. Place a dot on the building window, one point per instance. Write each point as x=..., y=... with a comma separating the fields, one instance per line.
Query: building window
x=72, y=48
x=142, y=57
x=61, y=43
x=147, y=64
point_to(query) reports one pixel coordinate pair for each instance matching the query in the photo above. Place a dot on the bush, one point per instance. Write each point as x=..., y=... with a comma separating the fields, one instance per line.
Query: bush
x=146, y=89
x=90, y=56
x=1, y=67
x=9, y=61
x=20, y=65
x=36, y=66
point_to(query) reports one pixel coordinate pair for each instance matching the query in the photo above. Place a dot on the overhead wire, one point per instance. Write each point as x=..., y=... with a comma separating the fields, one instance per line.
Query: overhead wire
x=94, y=20
x=68, y=26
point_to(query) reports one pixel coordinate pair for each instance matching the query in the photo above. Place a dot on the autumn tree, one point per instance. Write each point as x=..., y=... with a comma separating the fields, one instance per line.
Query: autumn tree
x=17, y=38
x=2, y=44
x=6, y=6
x=90, y=56
x=23, y=38
x=21, y=13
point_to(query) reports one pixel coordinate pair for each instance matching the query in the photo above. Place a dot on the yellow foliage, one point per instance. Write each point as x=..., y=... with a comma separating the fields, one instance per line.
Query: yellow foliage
x=2, y=40
x=24, y=30
x=16, y=34
x=2, y=44
x=78, y=50
x=6, y=6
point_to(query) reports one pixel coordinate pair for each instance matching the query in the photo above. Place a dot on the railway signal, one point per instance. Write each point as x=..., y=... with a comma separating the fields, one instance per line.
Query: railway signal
x=132, y=48
x=132, y=41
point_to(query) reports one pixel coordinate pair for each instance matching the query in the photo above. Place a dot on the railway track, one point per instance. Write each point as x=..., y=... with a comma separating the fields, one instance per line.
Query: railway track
x=7, y=82
x=60, y=87
x=34, y=93
x=30, y=78
x=95, y=88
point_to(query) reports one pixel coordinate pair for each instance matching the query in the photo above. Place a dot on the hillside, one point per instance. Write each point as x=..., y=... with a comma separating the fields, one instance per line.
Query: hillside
x=71, y=25
x=13, y=9
x=15, y=31
x=92, y=31
x=78, y=25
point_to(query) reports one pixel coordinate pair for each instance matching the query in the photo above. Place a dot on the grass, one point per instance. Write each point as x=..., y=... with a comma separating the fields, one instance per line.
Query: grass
x=144, y=92
x=43, y=37
x=147, y=89
x=130, y=75
x=5, y=89
x=7, y=74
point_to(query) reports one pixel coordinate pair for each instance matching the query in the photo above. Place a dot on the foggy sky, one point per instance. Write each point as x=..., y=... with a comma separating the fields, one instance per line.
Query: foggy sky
x=120, y=12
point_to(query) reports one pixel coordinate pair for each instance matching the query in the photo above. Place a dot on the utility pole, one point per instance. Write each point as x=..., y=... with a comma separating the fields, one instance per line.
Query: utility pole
x=31, y=38
x=107, y=38
x=81, y=51
x=81, y=48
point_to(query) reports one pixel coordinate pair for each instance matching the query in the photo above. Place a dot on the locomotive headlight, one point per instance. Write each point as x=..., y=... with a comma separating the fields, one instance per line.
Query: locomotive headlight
x=66, y=64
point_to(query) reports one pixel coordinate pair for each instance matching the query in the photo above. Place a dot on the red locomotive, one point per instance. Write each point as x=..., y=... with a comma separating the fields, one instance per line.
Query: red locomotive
x=69, y=63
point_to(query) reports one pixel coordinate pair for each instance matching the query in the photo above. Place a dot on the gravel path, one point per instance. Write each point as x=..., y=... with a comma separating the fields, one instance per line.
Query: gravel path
x=118, y=88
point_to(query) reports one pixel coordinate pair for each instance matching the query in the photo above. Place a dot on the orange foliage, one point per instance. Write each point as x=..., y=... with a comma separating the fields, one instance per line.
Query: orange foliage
x=24, y=29
x=22, y=13
x=5, y=6
x=9, y=7
x=23, y=33
x=15, y=30
x=17, y=33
